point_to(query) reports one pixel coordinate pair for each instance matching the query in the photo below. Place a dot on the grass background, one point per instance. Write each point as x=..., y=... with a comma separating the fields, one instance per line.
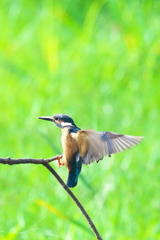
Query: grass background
x=97, y=61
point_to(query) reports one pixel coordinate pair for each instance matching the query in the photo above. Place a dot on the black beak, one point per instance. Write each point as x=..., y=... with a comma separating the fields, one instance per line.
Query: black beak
x=47, y=118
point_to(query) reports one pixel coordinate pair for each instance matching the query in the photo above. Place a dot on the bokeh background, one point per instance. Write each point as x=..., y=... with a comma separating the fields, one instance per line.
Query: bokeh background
x=99, y=62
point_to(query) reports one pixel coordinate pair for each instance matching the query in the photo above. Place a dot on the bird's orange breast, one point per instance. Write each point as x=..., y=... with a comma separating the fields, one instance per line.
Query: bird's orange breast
x=69, y=145
x=72, y=143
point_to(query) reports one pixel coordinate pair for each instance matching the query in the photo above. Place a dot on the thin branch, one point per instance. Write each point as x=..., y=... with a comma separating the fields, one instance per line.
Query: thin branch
x=45, y=163
x=11, y=161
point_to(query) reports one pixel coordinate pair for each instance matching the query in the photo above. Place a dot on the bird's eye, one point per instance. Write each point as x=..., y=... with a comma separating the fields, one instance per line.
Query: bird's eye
x=56, y=118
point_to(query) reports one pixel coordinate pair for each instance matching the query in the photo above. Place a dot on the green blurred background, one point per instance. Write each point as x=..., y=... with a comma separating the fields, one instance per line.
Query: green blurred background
x=99, y=62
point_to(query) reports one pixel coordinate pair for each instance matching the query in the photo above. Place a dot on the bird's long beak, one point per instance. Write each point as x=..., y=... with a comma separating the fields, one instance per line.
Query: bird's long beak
x=47, y=118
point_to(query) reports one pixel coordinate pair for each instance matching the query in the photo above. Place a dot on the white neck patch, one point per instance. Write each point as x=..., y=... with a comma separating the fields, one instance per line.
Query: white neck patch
x=66, y=124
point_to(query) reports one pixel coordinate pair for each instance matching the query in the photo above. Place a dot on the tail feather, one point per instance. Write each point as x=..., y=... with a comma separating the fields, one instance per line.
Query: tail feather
x=74, y=173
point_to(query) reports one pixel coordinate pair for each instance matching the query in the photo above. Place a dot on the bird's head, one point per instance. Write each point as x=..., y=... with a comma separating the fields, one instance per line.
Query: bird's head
x=60, y=120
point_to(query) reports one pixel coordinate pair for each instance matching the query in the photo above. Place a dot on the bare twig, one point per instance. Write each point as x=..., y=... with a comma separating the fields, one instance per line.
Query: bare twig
x=11, y=161
x=45, y=163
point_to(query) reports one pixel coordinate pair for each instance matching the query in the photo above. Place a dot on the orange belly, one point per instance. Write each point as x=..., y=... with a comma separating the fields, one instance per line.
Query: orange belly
x=70, y=147
x=72, y=143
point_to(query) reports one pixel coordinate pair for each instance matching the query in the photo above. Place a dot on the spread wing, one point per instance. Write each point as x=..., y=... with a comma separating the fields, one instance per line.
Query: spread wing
x=100, y=144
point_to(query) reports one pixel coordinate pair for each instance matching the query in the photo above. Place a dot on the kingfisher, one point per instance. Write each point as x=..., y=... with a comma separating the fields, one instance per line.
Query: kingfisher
x=86, y=146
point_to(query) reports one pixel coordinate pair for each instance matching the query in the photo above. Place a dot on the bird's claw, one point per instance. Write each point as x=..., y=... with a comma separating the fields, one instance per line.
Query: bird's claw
x=59, y=163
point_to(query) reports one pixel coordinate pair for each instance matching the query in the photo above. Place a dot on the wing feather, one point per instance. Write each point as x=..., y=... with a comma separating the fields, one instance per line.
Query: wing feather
x=100, y=144
x=114, y=146
x=120, y=148
x=121, y=145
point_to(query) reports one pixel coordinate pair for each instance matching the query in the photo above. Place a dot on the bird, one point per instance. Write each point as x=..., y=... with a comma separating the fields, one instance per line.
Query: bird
x=86, y=146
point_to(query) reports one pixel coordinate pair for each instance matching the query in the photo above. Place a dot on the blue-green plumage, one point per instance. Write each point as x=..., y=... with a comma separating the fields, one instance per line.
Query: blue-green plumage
x=75, y=168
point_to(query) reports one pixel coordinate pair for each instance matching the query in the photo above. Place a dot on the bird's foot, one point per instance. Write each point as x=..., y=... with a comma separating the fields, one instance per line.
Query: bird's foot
x=59, y=163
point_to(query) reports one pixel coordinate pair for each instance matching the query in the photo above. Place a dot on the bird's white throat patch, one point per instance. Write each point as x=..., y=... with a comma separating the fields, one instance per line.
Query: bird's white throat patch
x=66, y=124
